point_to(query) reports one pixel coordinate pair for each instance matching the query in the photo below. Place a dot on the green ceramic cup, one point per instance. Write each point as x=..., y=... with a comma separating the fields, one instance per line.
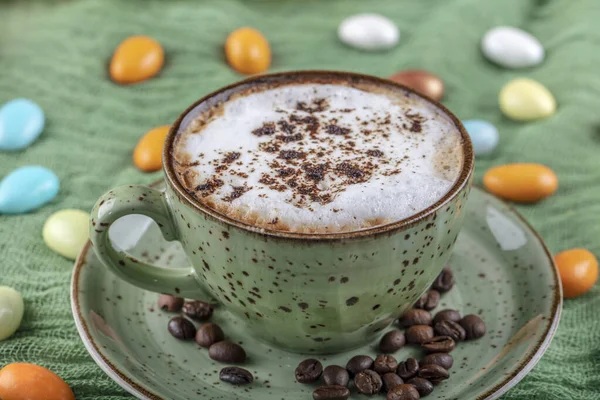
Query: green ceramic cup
x=308, y=293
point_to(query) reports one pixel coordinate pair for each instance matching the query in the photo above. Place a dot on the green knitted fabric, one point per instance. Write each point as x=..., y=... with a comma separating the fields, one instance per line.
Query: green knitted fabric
x=56, y=53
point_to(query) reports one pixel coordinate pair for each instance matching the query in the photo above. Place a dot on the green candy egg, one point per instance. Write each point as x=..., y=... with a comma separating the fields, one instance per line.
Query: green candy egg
x=66, y=232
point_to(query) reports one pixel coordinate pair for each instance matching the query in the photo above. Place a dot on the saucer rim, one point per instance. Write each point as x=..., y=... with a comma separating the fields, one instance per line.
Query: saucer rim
x=493, y=393
x=88, y=342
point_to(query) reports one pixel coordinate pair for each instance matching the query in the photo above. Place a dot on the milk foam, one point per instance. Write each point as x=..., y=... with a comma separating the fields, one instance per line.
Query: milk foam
x=320, y=157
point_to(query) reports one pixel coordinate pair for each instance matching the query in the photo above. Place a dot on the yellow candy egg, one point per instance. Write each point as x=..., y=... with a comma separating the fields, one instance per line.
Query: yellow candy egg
x=136, y=59
x=525, y=100
x=247, y=51
x=66, y=232
x=147, y=155
x=11, y=311
x=522, y=183
x=21, y=381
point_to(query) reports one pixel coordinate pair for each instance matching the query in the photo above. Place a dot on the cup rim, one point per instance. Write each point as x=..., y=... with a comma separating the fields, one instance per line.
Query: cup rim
x=462, y=180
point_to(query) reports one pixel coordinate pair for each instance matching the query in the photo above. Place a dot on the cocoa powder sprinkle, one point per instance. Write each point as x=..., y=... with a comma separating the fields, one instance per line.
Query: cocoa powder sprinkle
x=268, y=128
x=237, y=192
x=299, y=167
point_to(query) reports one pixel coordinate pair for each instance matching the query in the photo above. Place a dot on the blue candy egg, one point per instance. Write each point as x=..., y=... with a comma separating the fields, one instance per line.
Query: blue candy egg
x=484, y=136
x=21, y=122
x=26, y=189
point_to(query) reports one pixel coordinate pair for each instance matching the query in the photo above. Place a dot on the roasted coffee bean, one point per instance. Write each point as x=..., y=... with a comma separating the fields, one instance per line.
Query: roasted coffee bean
x=403, y=392
x=392, y=341
x=208, y=334
x=390, y=380
x=358, y=364
x=429, y=300
x=181, y=328
x=418, y=334
x=198, y=310
x=423, y=386
x=408, y=368
x=309, y=370
x=447, y=315
x=385, y=363
x=474, y=326
x=236, y=376
x=433, y=299
x=433, y=373
x=169, y=303
x=445, y=281
x=420, y=303
x=332, y=392
x=334, y=375
x=226, y=351
x=443, y=359
x=439, y=344
x=415, y=316
x=451, y=329
x=368, y=382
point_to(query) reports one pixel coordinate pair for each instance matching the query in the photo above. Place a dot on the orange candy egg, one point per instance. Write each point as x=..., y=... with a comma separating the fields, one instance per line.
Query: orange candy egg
x=522, y=183
x=578, y=269
x=136, y=59
x=147, y=155
x=21, y=381
x=247, y=51
x=422, y=82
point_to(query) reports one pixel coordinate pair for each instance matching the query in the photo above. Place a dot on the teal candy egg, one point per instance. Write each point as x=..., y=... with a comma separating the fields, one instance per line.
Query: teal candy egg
x=484, y=136
x=26, y=189
x=21, y=122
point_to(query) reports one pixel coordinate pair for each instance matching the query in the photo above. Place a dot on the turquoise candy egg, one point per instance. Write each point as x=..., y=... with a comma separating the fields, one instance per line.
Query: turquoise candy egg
x=26, y=189
x=21, y=122
x=484, y=136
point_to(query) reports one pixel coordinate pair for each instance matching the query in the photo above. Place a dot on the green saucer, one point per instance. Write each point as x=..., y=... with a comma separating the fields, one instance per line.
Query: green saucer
x=503, y=270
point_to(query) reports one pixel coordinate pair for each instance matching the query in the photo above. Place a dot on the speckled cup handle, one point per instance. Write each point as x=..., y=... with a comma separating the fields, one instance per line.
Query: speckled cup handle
x=127, y=200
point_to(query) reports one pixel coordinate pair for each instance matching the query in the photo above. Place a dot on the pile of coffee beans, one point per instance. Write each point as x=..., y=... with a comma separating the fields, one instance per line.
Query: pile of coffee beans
x=410, y=379
x=209, y=335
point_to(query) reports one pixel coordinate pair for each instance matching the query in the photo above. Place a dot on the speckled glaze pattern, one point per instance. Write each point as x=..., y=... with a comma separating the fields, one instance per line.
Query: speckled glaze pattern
x=304, y=293
x=503, y=270
x=301, y=295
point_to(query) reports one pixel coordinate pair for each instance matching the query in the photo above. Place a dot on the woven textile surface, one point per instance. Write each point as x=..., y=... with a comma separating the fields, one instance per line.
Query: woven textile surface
x=56, y=53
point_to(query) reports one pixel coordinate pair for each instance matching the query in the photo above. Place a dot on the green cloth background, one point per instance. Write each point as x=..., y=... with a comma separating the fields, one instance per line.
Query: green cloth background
x=56, y=53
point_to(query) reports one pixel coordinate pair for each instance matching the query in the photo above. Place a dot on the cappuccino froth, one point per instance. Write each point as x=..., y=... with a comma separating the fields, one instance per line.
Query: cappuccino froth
x=315, y=157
